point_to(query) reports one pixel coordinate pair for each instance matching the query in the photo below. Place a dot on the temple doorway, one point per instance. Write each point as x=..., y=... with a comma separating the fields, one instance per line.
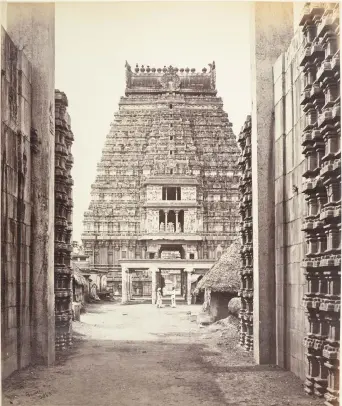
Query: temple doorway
x=171, y=251
x=169, y=278
x=141, y=284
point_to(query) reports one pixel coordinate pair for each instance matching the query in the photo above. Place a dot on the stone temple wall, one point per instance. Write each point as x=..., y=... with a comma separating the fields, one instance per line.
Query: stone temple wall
x=307, y=202
x=63, y=222
x=246, y=291
x=27, y=186
x=289, y=209
x=15, y=207
x=321, y=146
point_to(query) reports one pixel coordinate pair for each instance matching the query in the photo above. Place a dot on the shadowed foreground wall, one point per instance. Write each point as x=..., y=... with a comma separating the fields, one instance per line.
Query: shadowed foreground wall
x=308, y=197
x=296, y=194
x=16, y=207
x=27, y=187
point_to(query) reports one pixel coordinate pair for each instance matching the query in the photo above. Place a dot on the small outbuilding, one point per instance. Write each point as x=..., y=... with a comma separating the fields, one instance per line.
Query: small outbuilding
x=80, y=287
x=222, y=282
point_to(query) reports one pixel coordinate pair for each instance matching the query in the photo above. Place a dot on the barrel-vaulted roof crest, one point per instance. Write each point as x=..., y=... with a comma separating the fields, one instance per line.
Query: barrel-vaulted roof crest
x=151, y=80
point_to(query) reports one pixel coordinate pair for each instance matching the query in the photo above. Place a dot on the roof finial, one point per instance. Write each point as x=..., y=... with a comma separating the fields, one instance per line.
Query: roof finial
x=212, y=66
x=127, y=66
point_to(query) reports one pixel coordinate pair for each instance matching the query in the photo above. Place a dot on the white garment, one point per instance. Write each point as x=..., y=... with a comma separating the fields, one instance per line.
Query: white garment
x=159, y=299
x=173, y=299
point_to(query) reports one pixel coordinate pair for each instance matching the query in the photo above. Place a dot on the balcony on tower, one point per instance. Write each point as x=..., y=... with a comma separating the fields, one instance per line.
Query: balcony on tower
x=171, y=221
x=166, y=190
x=172, y=193
x=171, y=209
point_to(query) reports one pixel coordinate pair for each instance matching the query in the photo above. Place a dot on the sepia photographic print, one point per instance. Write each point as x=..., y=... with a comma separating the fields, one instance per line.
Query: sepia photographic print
x=170, y=203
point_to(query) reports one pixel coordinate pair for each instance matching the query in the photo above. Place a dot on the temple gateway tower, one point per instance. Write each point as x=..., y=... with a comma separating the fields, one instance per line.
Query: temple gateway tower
x=164, y=204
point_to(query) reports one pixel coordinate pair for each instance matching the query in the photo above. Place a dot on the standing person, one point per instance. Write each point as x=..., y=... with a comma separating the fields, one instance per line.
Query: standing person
x=159, y=298
x=173, y=297
x=162, y=285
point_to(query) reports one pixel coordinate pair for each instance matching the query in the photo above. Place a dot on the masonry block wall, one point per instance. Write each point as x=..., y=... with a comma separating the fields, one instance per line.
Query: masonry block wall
x=289, y=209
x=27, y=186
x=307, y=202
x=15, y=207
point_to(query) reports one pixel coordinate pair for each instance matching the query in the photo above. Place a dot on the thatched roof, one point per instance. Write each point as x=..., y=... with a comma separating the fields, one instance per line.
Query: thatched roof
x=224, y=276
x=79, y=278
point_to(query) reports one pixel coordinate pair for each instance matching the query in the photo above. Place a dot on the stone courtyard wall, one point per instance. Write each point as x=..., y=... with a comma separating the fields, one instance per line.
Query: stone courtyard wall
x=304, y=181
x=321, y=146
x=307, y=202
x=289, y=209
x=27, y=186
x=15, y=207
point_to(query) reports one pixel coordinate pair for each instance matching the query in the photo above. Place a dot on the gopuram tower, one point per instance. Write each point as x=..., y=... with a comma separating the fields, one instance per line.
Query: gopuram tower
x=164, y=205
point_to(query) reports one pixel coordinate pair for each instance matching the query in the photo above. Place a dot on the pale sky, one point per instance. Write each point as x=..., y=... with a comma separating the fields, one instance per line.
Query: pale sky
x=93, y=41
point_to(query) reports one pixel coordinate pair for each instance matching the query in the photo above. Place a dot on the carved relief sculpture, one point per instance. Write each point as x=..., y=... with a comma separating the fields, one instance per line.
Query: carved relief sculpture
x=246, y=272
x=188, y=193
x=63, y=223
x=321, y=141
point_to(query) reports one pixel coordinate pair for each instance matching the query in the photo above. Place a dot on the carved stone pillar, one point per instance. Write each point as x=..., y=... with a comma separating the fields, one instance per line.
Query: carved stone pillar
x=176, y=225
x=32, y=27
x=166, y=212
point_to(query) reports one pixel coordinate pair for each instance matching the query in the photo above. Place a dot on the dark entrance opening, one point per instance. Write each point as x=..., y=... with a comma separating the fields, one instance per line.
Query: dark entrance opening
x=199, y=299
x=171, y=251
x=171, y=193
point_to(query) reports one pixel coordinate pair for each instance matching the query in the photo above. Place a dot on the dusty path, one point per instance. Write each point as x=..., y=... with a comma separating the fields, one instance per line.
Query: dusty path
x=142, y=356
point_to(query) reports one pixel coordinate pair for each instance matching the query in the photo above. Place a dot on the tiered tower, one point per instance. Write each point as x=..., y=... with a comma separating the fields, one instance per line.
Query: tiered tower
x=63, y=222
x=167, y=183
x=321, y=142
x=246, y=292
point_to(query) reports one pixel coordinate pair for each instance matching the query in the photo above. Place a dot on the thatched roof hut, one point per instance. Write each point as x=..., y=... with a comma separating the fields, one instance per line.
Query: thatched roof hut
x=224, y=276
x=78, y=277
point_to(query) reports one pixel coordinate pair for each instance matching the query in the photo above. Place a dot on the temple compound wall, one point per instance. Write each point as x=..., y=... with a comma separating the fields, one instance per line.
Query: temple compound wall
x=303, y=190
x=246, y=230
x=27, y=187
x=63, y=222
x=289, y=208
x=321, y=185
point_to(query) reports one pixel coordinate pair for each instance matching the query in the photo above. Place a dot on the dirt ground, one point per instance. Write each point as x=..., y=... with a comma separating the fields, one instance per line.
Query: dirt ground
x=140, y=355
